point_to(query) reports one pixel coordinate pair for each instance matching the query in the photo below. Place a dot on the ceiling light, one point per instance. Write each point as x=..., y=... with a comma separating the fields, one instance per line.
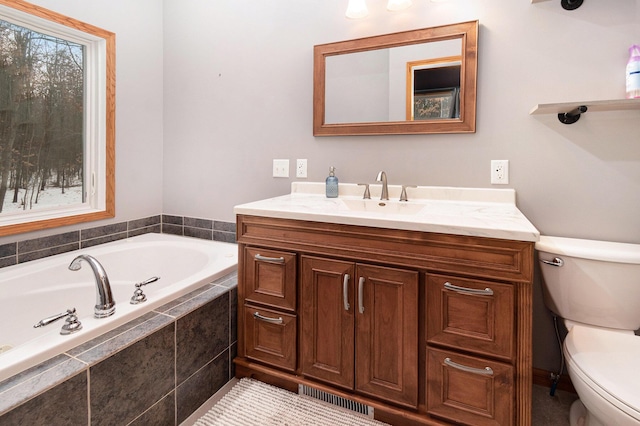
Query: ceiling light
x=357, y=9
x=395, y=5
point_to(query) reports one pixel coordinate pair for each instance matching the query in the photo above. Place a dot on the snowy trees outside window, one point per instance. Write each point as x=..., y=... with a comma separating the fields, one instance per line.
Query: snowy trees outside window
x=57, y=119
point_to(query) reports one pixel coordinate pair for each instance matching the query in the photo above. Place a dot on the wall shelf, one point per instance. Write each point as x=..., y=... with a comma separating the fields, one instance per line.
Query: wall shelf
x=569, y=112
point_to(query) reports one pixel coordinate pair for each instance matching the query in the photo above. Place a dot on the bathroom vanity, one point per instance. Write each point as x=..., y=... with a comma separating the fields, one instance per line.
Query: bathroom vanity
x=419, y=309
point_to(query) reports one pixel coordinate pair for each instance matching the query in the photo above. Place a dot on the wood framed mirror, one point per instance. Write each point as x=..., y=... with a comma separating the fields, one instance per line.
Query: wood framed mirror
x=369, y=86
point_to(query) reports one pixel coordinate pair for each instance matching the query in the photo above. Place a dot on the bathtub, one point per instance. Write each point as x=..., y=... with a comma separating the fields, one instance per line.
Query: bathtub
x=34, y=290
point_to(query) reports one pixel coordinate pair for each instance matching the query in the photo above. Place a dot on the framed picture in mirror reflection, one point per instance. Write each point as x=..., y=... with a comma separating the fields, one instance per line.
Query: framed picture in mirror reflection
x=433, y=88
x=438, y=104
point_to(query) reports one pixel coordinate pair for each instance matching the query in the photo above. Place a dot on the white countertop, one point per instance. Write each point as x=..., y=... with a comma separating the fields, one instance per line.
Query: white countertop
x=476, y=212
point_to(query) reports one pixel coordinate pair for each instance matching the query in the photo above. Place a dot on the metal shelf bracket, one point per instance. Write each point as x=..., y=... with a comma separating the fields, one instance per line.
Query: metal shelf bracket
x=573, y=115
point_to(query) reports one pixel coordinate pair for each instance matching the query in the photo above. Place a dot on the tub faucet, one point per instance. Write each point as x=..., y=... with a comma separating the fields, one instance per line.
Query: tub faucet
x=382, y=177
x=105, y=305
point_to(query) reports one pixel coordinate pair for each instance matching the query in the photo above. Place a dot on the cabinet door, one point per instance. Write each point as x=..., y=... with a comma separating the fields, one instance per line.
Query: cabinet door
x=326, y=339
x=387, y=334
x=270, y=277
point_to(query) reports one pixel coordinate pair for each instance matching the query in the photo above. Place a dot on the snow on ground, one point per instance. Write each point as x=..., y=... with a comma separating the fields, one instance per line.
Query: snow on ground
x=50, y=197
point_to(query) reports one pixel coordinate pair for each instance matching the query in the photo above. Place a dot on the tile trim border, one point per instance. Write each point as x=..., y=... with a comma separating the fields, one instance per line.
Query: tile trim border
x=37, y=248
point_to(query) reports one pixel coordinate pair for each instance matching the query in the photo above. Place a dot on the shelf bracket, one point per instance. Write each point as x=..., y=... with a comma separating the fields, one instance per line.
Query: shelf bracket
x=573, y=115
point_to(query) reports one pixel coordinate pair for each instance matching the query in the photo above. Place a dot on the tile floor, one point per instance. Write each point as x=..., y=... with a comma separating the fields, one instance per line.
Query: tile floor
x=547, y=410
x=551, y=410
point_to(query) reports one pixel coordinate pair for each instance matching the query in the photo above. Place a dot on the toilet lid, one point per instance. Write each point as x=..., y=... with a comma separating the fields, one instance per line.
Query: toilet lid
x=611, y=360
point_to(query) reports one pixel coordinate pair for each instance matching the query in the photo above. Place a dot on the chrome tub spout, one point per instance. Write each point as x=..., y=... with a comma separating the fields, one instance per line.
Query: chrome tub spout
x=105, y=305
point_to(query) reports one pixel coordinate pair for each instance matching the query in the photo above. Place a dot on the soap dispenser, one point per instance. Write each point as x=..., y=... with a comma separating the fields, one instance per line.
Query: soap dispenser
x=332, y=183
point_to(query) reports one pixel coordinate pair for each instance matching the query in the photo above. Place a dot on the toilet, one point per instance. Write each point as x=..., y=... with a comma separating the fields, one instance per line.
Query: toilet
x=594, y=286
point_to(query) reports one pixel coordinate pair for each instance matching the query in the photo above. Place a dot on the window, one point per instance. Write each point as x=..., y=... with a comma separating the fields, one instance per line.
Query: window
x=57, y=124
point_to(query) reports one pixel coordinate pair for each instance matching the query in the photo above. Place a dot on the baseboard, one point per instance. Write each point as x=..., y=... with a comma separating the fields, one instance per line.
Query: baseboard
x=543, y=378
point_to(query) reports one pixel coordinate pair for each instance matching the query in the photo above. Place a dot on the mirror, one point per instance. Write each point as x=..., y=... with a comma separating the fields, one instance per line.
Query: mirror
x=413, y=82
x=57, y=119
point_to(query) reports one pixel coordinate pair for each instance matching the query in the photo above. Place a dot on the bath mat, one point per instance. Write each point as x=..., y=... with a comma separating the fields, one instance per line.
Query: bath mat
x=253, y=403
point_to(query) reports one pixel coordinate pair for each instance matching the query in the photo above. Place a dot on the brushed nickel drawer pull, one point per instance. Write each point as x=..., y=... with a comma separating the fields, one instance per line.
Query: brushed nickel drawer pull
x=261, y=258
x=267, y=319
x=361, y=295
x=345, y=292
x=486, y=292
x=487, y=371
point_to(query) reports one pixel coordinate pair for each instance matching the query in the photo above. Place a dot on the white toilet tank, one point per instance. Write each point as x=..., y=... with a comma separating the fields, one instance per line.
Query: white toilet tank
x=597, y=284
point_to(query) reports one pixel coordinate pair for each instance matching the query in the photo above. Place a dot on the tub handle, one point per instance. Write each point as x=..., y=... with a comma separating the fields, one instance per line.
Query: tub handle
x=262, y=258
x=487, y=371
x=71, y=325
x=486, y=292
x=147, y=281
x=138, y=295
x=267, y=319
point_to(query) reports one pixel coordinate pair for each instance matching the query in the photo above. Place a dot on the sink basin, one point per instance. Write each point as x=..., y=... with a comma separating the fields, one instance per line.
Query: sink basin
x=378, y=206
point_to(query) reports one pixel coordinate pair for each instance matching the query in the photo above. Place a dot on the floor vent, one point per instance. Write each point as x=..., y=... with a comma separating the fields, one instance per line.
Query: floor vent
x=336, y=400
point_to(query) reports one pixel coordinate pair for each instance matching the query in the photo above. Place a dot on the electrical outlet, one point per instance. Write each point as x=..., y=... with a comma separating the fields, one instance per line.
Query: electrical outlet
x=301, y=168
x=281, y=168
x=500, y=172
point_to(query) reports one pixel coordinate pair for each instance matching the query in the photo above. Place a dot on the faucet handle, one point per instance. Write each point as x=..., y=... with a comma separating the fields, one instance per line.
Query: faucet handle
x=403, y=194
x=138, y=295
x=71, y=324
x=367, y=194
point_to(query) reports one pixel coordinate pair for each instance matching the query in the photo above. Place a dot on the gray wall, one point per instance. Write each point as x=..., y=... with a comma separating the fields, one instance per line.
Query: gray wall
x=209, y=92
x=238, y=93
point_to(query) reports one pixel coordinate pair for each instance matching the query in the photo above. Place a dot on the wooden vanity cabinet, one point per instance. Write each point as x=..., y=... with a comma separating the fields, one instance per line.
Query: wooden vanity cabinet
x=444, y=336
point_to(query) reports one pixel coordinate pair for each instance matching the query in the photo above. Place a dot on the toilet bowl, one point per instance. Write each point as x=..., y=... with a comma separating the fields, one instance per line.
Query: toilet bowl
x=604, y=369
x=595, y=287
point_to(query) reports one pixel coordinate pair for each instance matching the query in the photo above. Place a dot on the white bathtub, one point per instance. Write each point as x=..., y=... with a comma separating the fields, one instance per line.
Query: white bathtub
x=34, y=290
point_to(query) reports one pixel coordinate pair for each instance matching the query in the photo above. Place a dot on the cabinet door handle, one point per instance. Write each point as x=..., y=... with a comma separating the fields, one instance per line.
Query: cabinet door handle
x=261, y=258
x=486, y=292
x=361, y=295
x=487, y=371
x=345, y=292
x=267, y=319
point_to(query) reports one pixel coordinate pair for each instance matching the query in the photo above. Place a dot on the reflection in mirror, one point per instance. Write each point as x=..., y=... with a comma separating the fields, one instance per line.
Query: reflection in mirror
x=56, y=119
x=420, y=81
x=433, y=89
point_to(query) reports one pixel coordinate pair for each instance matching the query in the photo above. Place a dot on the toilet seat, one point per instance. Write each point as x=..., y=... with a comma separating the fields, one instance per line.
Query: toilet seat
x=607, y=362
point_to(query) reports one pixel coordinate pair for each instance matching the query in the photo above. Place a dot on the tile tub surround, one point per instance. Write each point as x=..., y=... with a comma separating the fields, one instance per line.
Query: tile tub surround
x=156, y=369
x=37, y=248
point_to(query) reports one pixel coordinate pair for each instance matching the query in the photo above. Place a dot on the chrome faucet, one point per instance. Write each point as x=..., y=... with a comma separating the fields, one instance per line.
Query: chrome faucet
x=382, y=177
x=105, y=305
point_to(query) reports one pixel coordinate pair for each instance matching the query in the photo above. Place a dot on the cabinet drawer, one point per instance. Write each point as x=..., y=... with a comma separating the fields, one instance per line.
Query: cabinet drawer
x=469, y=390
x=270, y=277
x=270, y=337
x=473, y=315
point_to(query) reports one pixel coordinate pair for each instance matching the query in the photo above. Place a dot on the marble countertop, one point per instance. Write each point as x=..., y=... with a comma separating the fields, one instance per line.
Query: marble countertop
x=480, y=212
